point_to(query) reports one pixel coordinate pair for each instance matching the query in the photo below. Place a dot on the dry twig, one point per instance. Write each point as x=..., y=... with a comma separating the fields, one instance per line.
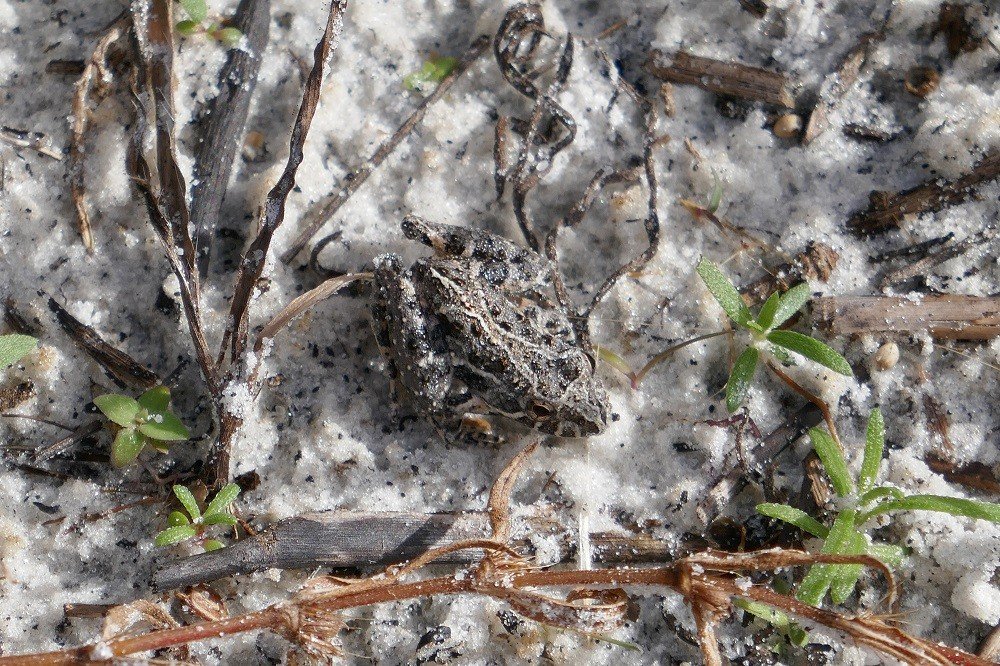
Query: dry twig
x=888, y=210
x=948, y=316
x=95, y=77
x=252, y=264
x=225, y=121
x=323, y=210
x=724, y=78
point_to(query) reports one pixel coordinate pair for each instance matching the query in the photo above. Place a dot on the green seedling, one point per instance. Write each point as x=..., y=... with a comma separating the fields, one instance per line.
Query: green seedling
x=765, y=334
x=14, y=347
x=147, y=420
x=860, y=501
x=432, y=73
x=184, y=526
x=197, y=23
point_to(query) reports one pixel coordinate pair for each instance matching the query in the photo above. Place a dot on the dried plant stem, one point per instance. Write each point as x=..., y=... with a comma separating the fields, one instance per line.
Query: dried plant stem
x=324, y=210
x=670, y=351
x=244, y=368
x=95, y=75
x=811, y=397
x=695, y=578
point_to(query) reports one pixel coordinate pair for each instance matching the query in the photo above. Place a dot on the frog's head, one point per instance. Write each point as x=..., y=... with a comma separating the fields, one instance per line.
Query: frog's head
x=581, y=409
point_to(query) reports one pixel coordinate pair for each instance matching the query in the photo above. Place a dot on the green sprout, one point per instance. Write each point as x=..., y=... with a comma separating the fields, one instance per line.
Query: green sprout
x=192, y=524
x=764, y=332
x=147, y=420
x=432, y=73
x=14, y=346
x=861, y=500
x=197, y=23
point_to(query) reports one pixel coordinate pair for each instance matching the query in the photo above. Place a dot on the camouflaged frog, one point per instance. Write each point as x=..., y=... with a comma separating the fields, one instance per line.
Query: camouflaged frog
x=474, y=331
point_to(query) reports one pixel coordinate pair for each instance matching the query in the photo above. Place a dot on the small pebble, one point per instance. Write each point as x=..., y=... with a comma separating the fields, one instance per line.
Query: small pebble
x=886, y=356
x=788, y=126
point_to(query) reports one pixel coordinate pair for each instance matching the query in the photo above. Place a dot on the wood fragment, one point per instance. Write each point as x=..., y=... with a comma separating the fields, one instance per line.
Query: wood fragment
x=816, y=262
x=35, y=141
x=950, y=251
x=956, y=28
x=756, y=7
x=869, y=133
x=67, y=67
x=225, y=122
x=722, y=77
x=837, y=83
x=124, y=370
x=888, y=210
x=18, y=323
x=351, y=539
x=12, y=396
x=319, y=213
x=945, y=316
x=975, y=475
x=86, y=610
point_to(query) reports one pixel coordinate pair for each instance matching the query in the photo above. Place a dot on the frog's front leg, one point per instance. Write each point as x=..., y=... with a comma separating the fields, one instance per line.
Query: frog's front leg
x=413, y=346
x=493, y=259
x=466, y=420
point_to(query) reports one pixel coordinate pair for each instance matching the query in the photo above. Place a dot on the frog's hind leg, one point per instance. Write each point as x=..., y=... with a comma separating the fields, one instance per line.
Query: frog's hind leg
x=415, y=351
x=493, y=259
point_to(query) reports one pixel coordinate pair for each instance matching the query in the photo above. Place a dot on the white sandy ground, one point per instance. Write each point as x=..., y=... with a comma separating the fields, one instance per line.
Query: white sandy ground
x=326, y=437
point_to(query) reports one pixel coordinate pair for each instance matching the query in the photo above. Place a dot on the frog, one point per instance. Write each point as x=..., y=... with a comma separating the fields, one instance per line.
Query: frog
x=474, y=332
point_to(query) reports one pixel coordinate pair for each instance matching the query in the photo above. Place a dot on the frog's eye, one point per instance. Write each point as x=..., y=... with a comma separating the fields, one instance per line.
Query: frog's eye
x=539, y=412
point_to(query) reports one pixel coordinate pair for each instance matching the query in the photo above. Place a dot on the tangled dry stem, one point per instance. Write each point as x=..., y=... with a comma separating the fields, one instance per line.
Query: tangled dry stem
x=312, y=618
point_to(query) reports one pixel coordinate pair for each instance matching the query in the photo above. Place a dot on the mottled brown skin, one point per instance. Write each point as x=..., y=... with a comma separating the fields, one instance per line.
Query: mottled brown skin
x=474, y=330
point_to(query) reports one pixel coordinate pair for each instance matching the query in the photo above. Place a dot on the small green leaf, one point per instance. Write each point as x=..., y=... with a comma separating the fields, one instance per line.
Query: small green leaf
x=796, y=635
x=186, y=28
x=790, y=303
x=121, y=409
x=173, y=535
x=126, y=448
x=213, y=544
x=165, y=427
x=724, y=292
x=814, y=586
x=878, y=493
x=833, y=461
x=874, y=445
x=766, y=316
x=177, y=518
x=432, y=71
x=156, y=400
x=812, y=349
x=161, y=447
x=715, y=198
x=795, y=517
x=197, y=10
x=847, y=575
x=615, y=361
x=220, y=519
x=14, y=346
x=952, y=505
x=231, y=37
x=783, y=356
x=226, y=496
x=187, y=500
x=890, y=554
x=741, y=378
